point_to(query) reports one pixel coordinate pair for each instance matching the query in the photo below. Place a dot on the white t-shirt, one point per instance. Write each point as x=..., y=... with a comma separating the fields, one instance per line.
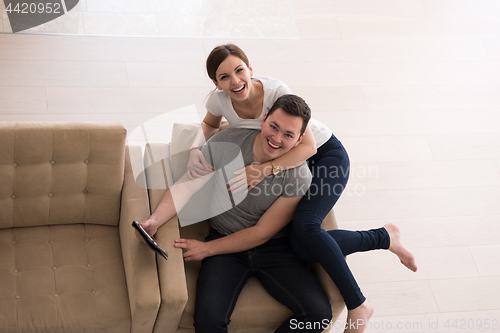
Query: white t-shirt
x=219, y=104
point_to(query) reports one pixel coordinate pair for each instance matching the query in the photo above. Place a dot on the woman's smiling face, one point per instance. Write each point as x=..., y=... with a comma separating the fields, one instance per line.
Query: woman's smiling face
x=234, y=77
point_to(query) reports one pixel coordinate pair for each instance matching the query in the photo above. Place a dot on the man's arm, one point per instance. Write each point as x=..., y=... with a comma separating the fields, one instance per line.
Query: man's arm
x=173, y=200
x=274, y=219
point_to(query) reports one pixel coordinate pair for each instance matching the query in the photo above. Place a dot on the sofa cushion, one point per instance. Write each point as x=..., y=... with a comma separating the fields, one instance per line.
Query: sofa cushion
x=67, y=278
x=182, y=138
x=198, y=207
x=60, y=173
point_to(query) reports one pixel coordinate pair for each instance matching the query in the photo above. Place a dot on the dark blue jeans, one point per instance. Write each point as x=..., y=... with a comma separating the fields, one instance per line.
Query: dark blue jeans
x=287, y=278
x=330, y=169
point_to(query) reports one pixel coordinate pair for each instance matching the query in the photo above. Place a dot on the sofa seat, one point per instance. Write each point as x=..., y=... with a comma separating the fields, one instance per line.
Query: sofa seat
x=63, y=278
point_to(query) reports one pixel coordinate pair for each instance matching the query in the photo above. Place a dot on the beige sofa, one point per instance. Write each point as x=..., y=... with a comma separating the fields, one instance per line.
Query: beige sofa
x=256, y=310
x=69, y=260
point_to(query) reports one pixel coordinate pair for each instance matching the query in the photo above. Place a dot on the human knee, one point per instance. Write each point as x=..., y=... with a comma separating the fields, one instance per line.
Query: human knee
x=322, y=313
x=318, y=317
x=208, y=322
x=304, y=228
x=303, y=236
x=209, y=316
x=318, y=307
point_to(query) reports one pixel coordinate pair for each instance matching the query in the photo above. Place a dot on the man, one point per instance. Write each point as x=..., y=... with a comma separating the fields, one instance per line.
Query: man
x=248, y=239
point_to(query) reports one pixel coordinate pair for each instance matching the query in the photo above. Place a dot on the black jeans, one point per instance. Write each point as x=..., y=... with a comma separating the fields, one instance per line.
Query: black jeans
x=287, y=278
x=330, y=169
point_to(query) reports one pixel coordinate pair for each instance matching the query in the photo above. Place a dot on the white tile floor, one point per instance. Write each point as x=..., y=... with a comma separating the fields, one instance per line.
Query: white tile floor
x=411, y=87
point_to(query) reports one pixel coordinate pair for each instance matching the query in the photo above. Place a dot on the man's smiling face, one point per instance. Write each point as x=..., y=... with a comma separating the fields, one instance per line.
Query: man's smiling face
x=280, y=133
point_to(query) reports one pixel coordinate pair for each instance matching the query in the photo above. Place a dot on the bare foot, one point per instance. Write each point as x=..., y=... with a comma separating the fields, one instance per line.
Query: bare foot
x=397, y=247
x=358, y=318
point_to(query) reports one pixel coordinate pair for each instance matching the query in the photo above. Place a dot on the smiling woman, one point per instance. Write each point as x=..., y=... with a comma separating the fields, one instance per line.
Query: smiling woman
x=234, y=77
x=243, y=100
x=230, y=71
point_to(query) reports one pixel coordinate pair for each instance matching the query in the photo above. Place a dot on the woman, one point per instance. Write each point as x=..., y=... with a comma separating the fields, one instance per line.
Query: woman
x=243, y=100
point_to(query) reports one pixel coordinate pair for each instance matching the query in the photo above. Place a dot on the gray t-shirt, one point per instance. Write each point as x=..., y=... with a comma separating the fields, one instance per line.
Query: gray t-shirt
x=231, y=150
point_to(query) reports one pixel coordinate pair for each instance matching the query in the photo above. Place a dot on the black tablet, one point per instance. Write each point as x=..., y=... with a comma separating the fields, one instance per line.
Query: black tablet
x=150, y=240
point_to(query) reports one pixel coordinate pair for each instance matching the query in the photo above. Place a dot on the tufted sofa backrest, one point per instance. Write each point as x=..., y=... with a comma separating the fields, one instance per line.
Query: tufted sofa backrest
x=60, y=173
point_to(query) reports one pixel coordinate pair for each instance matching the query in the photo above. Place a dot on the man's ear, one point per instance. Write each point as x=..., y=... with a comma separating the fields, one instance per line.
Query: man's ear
x=299, y=140
x=263, y=120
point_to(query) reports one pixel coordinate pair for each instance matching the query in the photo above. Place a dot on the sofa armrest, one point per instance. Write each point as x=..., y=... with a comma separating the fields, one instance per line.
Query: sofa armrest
x=171, y=272
x=172, y=277
x=139, y=260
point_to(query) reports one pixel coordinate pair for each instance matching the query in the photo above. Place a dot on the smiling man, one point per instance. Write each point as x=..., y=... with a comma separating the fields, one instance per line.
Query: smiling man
x=248, y=239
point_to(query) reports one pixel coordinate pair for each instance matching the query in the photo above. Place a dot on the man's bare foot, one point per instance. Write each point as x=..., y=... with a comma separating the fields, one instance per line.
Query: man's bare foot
x=357, y=318
x=397, y=247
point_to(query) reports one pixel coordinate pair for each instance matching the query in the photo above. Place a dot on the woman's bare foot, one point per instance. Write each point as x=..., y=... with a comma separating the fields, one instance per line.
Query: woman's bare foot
x=357, y=318
x=397, y=247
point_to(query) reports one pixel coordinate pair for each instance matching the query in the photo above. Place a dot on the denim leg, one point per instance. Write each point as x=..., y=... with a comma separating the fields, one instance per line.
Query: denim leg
x=290, y=281
x=360, y=241
x=330, y=169
x=329, y=255
x=220, y=282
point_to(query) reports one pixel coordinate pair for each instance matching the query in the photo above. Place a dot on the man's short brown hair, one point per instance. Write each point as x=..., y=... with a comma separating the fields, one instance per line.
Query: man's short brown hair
x=294, y=106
